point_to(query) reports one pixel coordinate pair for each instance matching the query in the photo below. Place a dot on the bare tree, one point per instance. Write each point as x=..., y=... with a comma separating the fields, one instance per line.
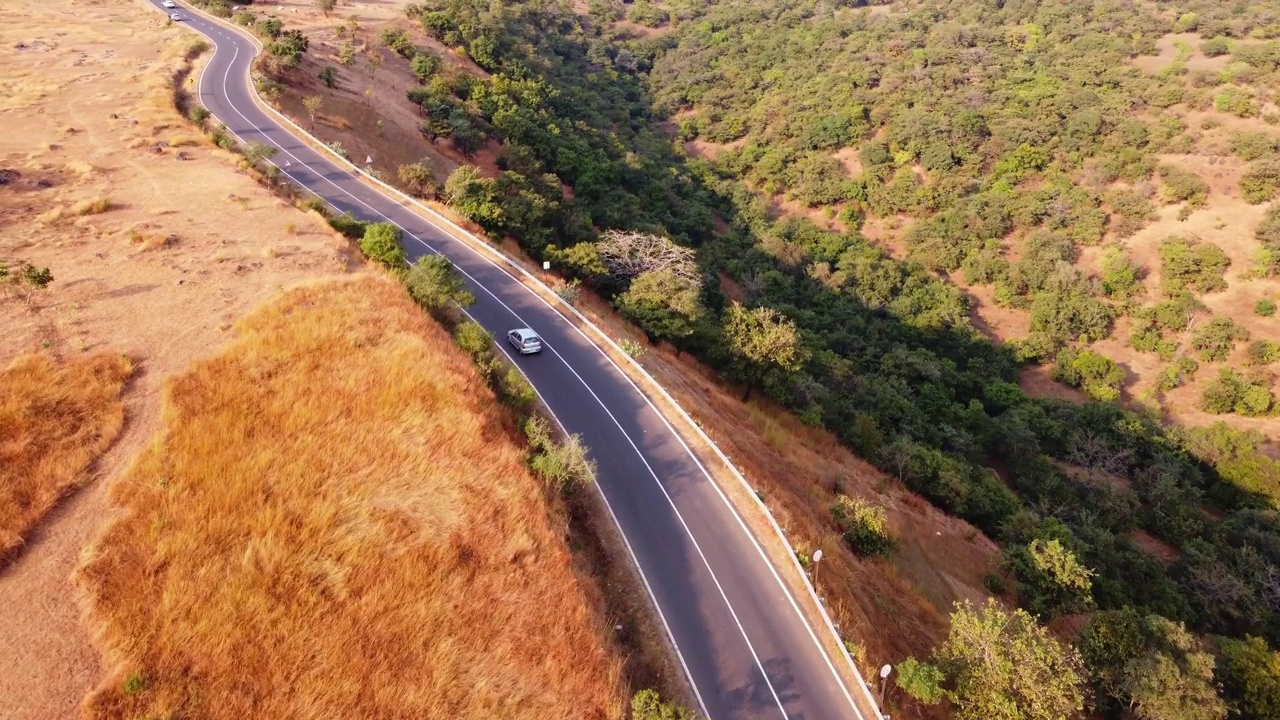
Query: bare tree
x=1096, y=453
x=374, y=56
x=312, y=104
x=629, y=254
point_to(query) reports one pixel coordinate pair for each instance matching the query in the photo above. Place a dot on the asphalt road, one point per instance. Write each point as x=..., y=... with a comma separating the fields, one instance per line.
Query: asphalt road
x=745, y=647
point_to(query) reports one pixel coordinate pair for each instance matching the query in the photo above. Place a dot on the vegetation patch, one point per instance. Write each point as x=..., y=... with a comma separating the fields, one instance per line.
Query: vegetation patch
x=55, y=420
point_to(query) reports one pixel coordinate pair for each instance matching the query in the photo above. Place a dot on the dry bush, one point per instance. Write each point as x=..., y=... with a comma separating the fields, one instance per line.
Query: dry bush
x=146, y=241
x=335, y=522
x=96, y=206
x=54, y=421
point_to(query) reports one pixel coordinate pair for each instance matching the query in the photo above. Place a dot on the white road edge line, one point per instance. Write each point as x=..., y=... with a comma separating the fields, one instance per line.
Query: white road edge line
x=741, y=630
x=635, y=562
x=742, y=524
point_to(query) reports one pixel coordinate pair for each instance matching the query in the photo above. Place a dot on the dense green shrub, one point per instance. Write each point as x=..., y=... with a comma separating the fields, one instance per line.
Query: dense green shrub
x=1249, y=671
x=1217, y=338
x=1233, y=392
x=1264, y=352
x=1097, y=375
x=1188, y=263
x=1261, y=182
x=381, y=242
x=1236, y=101
x=1177, y=374
x=398, y=41
x=1183, y=186
x=346, y=224
x=1253, y=145
x=1266, y=307
x=1215, y=46
x=862, y=525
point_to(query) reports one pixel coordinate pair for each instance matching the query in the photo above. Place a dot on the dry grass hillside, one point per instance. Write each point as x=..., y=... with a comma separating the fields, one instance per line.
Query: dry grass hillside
x=173, y=246
x=54, y=422
x=340, y=539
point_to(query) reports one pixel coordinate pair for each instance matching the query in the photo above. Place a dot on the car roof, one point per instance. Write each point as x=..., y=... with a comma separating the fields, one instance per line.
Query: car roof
x=525, y=332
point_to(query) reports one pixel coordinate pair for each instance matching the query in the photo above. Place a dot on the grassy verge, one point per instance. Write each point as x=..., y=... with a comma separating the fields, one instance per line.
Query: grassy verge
x=55, y=420
x=336, y=521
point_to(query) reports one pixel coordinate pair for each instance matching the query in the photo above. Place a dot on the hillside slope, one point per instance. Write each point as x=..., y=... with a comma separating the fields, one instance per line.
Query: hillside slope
x=312, y=535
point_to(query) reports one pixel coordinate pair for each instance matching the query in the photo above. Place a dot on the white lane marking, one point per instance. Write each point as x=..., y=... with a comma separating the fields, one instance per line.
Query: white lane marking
x=732, y=613
x=679, y=439
x=635, y=561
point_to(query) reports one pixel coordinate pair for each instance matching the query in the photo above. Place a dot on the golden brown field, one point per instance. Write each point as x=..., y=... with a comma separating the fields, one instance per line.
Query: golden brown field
x=54, y=421
x=334, y=521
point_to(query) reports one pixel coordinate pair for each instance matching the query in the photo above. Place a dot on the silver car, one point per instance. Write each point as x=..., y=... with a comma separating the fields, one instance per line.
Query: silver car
x=525, y=341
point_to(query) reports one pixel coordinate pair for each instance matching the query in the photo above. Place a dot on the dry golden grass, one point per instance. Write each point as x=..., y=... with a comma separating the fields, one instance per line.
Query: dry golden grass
x=96, y=206
x=335, y=522
x=54, y=421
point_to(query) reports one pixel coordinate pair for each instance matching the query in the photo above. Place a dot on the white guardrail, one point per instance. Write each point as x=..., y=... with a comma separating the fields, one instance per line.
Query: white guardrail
x=604, y=339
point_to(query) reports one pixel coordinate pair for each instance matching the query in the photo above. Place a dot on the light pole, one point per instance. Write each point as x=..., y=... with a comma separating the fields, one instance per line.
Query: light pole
x=884, y=677
x=817, y=555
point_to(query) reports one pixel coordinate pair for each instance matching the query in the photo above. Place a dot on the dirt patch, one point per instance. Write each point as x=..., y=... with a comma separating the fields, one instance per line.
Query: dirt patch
x=1172, y=46
x=700, y=148
x=113, y=137
x=994, y=321
x=850, y=161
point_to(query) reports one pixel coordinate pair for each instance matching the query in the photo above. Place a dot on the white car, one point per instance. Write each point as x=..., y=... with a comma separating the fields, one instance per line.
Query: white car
x=175, y=16
x=169, y=4
x=525, y=341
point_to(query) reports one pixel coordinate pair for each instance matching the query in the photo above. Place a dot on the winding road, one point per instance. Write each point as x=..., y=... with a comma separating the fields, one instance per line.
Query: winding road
x=738, y=632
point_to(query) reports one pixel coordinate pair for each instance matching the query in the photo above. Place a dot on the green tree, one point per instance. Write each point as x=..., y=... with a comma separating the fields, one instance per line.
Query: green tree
x=1217, y=338
x=1261, y=182
x=255, y=152
x=347, y=53
x=862, y=525
x=1233, y=392
x=1152, y=665
x=1264, y=352
x=1121, y=276
x=1188, y=263
x=762, y=339
x=1097, y=375
x=312, y=104
x=1004, y=666
x=921, y=681
x=425, y=66
x=1050, y=578
x=381, y=242
x=648, y=705
x=1266, y=307
x=1173, y=680
x=434, y=283
x=1250, y=675
x=326, y=6
x=329, y=76
x=667, y=306
x=1215, y=46
x=419, y=179
x=475, y=196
